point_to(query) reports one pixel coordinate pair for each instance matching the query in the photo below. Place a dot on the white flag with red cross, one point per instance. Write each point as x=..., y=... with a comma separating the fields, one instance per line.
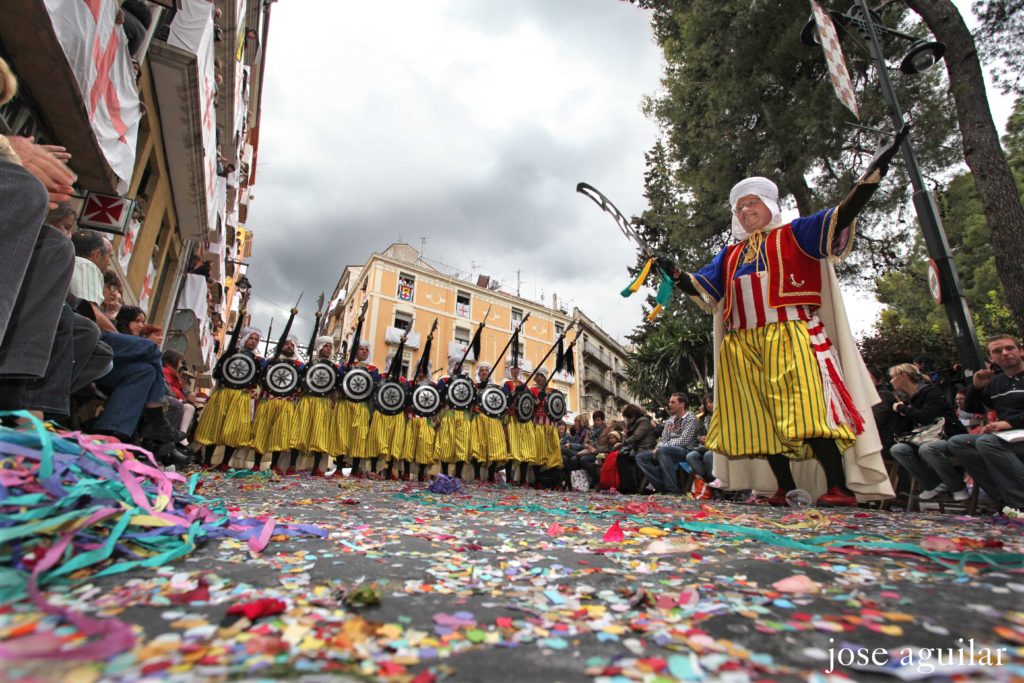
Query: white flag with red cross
x=97, y=52
x=841, y=80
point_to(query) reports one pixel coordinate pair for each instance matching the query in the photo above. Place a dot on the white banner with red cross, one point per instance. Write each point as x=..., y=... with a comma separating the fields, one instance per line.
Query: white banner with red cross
x=834, y=58
x=97, y=51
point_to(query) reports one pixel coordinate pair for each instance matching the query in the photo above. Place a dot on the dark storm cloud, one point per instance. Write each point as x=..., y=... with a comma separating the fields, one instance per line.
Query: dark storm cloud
x=474, y=138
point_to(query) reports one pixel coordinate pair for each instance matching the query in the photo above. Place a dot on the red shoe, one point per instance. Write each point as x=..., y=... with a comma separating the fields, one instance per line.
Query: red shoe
x=779, y=499
x=290, y=471
x=223, y=467
x=404, y=476
x=317, y=473
x=255, y=467
x=836, y=497
x=357, y=475
x=278, y=471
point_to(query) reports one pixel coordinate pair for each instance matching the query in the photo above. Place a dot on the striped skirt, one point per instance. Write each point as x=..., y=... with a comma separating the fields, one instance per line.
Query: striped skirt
x=549, y=453
x=359, y=430
x=770, y=397
x=274, y=425
x=342, y=428
x=314, y=425
x=522, y=446
x=419, y=441
x=387, y=436
x=452, y=443
x=226, y=420
x=487, y=440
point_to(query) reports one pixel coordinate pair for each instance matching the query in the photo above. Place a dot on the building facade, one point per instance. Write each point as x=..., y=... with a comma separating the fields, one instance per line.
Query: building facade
x=159, y=104
x=601, y=367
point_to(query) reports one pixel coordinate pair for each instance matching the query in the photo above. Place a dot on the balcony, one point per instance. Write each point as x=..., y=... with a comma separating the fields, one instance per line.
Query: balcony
x=602, y=357
x=599, y=380
x=620, y=371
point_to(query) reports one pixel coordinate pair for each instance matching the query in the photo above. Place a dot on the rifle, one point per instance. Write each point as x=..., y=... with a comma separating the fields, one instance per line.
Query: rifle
x=287, y=328
x=421, y=367
x=354, y=349
x=396, y=361
x=474, y=344
x=513, y=338
x=558, y=341
x=316, y=327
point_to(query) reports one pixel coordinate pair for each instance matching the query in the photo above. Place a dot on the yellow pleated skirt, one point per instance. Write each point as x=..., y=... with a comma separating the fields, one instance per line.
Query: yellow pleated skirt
x=770, y=398
x=549, y=453
x=314, y=425
x=419, y=441
x=226, y=420
x=487, y=440
x=359, y=430
x=521, y=443
x=452, y=443
x=387, y=435
x=274, y=425
x=342, y=427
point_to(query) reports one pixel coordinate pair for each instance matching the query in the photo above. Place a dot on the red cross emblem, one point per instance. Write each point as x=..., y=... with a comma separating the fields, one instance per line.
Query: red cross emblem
x=105, y=212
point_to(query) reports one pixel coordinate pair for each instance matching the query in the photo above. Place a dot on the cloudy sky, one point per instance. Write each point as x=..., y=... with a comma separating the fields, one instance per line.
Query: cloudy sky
x=465, y=122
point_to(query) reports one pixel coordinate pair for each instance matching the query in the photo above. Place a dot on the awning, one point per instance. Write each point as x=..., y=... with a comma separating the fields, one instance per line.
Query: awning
x=183, y=77
x=189, y=332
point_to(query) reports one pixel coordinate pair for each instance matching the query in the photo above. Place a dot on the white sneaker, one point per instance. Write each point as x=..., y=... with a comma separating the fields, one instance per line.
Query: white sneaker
x=331, y=471
x=928, y=495
x=1013, y=513
x=961, y=495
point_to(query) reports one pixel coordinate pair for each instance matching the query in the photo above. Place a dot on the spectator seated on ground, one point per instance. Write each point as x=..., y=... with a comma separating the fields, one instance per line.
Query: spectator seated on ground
x=678, y=438
x=181, y=405
x=972, y=422
x=112, y=296
x=700, y=459
x=929, y=462
x=995, y=463
x=586, y=457
x=64, y=218
x=135, y=386
x=153, y=333
x=130, y=320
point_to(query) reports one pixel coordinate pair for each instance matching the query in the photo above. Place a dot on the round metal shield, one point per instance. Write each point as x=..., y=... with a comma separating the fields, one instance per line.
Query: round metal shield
x=389, y=397
x=239, y=370
x=554, y=405
x=524, y=404
x=357, y=384
x=493, y=401
x=461, y=392
x=320, y=378
x=280, y=377
x=426, y=400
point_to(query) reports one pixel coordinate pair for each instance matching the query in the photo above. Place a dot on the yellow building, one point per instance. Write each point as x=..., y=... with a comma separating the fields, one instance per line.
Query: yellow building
x=402, y=290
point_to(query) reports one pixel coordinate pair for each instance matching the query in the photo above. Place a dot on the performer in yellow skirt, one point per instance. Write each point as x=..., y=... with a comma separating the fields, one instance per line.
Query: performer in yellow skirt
x=273, y=425
x=227, y=418
x=487, y=443
x=452, y=445
x=521, y=442
x=314, y=417
x=421, y=433
x=387, y=432
x=359, y=418
x=545, y=433
x=786, y=389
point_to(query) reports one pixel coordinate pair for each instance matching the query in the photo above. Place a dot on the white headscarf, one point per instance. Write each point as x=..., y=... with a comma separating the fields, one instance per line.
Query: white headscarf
x=543, y=371
x=321, y=342
x=247, y=332
x=763, y=189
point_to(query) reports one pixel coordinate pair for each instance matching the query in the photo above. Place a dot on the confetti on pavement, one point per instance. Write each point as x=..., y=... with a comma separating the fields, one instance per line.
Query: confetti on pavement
x=506, y=584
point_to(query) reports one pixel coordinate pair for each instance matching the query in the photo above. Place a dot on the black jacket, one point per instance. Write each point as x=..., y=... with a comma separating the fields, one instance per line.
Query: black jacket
x=927, y=405
x=1003, y=394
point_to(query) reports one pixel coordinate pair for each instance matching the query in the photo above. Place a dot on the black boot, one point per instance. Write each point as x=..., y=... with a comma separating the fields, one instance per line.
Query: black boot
x=155, y=427
x=458, y=469
x=476, y=471
x=208, y=455
x=444, y=469
x=491, y=471
x=421, y=474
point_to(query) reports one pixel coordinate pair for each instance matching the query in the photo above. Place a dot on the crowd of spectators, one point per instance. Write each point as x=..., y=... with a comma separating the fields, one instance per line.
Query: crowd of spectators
x=63, y=328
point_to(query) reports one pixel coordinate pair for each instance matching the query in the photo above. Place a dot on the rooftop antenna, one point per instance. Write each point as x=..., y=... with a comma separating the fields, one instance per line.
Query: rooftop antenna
x=423, y=245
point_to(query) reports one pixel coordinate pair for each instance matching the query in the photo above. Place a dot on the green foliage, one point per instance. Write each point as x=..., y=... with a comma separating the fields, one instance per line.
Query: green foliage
x=674, y=356
x=1001, y=27
x=894, y=342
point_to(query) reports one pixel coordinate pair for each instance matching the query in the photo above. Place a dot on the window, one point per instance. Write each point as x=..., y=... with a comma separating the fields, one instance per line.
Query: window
x=559, y=329
x=406, y=287
x=403, y=320
x=462, y=304
x=517, y=317
x=362, y=287
x=462, y=335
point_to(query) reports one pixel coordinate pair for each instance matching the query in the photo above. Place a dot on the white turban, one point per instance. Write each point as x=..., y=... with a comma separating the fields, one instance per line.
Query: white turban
x=248, y=332
x=322, y=342
x=763, y=189
x=293, y=339
x=543, y=371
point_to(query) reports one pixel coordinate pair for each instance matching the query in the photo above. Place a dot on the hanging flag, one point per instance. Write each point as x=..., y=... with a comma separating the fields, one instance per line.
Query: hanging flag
x=841, y=80
x=108, y=213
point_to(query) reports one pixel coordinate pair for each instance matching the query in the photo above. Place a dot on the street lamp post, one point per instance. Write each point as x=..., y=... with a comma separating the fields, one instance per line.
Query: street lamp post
x=951, y=292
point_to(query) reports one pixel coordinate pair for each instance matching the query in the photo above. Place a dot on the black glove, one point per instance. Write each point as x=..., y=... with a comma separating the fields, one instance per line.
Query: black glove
x=884, y=154
x=669, y=266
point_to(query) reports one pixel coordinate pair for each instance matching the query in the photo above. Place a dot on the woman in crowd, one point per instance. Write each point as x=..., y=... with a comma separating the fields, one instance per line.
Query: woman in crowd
x=153, y=333
x=129, y=320
x=921, y=403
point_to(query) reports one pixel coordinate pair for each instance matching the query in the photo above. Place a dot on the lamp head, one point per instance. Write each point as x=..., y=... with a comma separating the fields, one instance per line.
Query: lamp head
x=922, y=56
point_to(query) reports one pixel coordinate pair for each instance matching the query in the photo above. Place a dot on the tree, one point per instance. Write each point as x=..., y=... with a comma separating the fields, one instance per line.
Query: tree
x=1001, y=27
x=992, y=176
